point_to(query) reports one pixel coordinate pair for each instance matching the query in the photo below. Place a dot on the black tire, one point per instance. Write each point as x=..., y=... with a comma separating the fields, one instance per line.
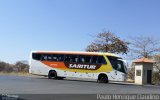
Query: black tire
x=102, y=79
x=52, y=74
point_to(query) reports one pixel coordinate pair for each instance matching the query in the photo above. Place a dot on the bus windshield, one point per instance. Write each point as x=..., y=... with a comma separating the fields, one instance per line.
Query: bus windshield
x=118, y=64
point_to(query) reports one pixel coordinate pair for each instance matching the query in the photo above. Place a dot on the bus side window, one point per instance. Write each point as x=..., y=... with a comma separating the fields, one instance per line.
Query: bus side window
x=74, y=58
x=61, y=57
x=81, y=59
x=71, y=58
x=113, y=61
x=94, y=59
x=44, y=57
x=67, y=58
x=85, y=59
x=88, y=59
x=54, y=57
x=101, y=60
x=49, y=57
x=36, y=56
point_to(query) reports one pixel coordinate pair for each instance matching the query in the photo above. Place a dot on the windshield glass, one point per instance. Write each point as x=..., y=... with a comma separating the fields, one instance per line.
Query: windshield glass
x=117, y=64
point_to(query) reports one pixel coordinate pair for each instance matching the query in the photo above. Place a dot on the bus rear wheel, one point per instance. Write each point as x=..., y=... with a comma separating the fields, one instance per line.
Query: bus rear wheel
x=102, y=78
x=52, y=74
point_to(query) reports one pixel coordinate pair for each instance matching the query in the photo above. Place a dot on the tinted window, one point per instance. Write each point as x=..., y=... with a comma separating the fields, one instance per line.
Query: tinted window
x=74, y=58
x=98, y=60
x=71, y=58
x=85, y=59
x=95, y=59
x=101, y=60
x=47, y=57
x=54, y=57
x=36, y=56
x=60, y=57
x=117, y=64
x=67, y=58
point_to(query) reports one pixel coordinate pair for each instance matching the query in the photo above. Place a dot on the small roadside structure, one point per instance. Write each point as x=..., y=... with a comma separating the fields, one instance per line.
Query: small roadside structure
x=143, y=71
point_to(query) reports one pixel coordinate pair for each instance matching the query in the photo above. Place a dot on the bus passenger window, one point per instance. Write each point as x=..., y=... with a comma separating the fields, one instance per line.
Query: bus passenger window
x=85, y=59
x=82, y=60
x=54, y=58
x=88, y=59
x=74, y=58
x=60, y=57
x=49, y=57
x=44, y=57
x=101, y=60
x=67, y=58
x=36, y=56
x=94, y=59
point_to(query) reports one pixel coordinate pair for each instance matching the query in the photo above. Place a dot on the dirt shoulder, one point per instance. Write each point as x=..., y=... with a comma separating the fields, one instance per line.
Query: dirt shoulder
x=16, y=74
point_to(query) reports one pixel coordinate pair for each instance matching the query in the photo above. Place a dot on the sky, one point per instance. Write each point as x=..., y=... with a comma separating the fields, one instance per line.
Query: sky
x=69, y=25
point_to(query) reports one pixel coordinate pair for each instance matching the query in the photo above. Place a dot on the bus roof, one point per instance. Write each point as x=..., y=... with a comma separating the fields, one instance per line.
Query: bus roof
x=78, y=52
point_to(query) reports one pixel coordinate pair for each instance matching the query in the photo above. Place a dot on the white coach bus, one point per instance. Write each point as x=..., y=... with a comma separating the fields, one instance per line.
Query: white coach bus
x=103, y=67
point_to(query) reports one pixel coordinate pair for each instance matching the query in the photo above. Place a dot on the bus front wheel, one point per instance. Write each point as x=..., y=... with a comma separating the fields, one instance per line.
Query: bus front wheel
x=52, y=74
x=102, y=78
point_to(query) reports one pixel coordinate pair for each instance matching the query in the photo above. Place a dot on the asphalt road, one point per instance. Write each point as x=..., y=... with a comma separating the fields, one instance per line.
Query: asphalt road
x=41, y=85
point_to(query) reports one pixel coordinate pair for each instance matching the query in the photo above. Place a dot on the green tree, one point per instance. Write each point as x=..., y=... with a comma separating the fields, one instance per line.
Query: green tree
x=107, y=41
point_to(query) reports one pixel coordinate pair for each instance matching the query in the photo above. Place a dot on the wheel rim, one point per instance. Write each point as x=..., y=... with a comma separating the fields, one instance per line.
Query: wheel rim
x=104, y=79
x=52, y=74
